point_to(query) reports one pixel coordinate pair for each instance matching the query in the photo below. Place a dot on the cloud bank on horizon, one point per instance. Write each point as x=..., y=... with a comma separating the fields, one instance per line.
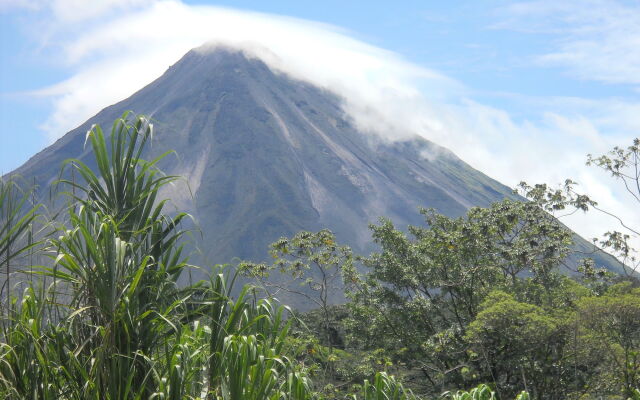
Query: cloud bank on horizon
x=122, y=45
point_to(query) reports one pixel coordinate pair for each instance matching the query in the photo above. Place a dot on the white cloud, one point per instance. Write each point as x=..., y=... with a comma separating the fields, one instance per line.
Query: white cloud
x=594, y=39
x=8, y=5
x=73, y=10
x=128, y=50
x=79, y=10
x=122, y=54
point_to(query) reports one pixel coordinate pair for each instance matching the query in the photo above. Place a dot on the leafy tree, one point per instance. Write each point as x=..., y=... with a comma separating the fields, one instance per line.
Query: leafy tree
x=422, y=292
x=611, y=323
x=623, y=164
x=315, y=264
x=521, y=346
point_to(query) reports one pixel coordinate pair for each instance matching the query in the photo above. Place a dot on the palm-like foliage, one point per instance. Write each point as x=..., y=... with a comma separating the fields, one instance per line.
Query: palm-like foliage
x=385, y=387
x=125, y=186
x=481, y=392
x=19, y=348
x=117, y=263
x=114, y=323
x=17, y=215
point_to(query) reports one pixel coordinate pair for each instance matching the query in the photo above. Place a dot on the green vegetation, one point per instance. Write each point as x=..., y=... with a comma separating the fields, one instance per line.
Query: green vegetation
x=474, y=302
x=17, y=219
x=478, y=299
x=108, y=320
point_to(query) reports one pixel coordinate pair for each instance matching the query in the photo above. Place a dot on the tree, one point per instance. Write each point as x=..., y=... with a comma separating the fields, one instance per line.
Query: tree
x=521, y=346
x=422, y=292
x=315, y=263
x=612, y=323
x=623, y=164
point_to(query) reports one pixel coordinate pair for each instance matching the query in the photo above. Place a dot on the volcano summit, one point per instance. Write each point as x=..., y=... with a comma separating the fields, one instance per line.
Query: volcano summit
x=264, y=156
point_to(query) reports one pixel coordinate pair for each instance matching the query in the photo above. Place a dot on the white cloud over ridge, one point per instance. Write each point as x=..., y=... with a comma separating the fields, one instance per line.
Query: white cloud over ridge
x=128, y=50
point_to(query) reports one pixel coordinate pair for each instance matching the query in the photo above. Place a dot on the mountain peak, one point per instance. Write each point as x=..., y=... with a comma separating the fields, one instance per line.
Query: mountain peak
x=264, y=155
x=218, y=60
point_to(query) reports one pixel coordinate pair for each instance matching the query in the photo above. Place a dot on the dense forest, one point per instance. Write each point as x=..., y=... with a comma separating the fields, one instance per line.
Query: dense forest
x=94, y=302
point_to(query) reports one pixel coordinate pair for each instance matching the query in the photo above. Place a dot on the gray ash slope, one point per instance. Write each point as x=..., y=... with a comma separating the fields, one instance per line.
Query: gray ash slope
x=264, y=156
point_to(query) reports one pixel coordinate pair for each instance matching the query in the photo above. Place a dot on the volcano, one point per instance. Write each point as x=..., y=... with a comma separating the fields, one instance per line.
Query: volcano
x=264, y=155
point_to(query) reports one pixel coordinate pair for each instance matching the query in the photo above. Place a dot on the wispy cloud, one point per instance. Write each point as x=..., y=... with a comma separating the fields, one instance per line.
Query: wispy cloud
x=10, y=5
x=593, y=39
x=72, y=10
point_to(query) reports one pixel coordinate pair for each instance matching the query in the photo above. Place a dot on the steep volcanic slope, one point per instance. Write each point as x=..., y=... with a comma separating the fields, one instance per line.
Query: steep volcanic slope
x=266, y=156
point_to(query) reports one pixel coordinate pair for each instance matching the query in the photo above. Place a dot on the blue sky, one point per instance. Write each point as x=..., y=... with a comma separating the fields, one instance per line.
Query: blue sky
x=522, y=90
